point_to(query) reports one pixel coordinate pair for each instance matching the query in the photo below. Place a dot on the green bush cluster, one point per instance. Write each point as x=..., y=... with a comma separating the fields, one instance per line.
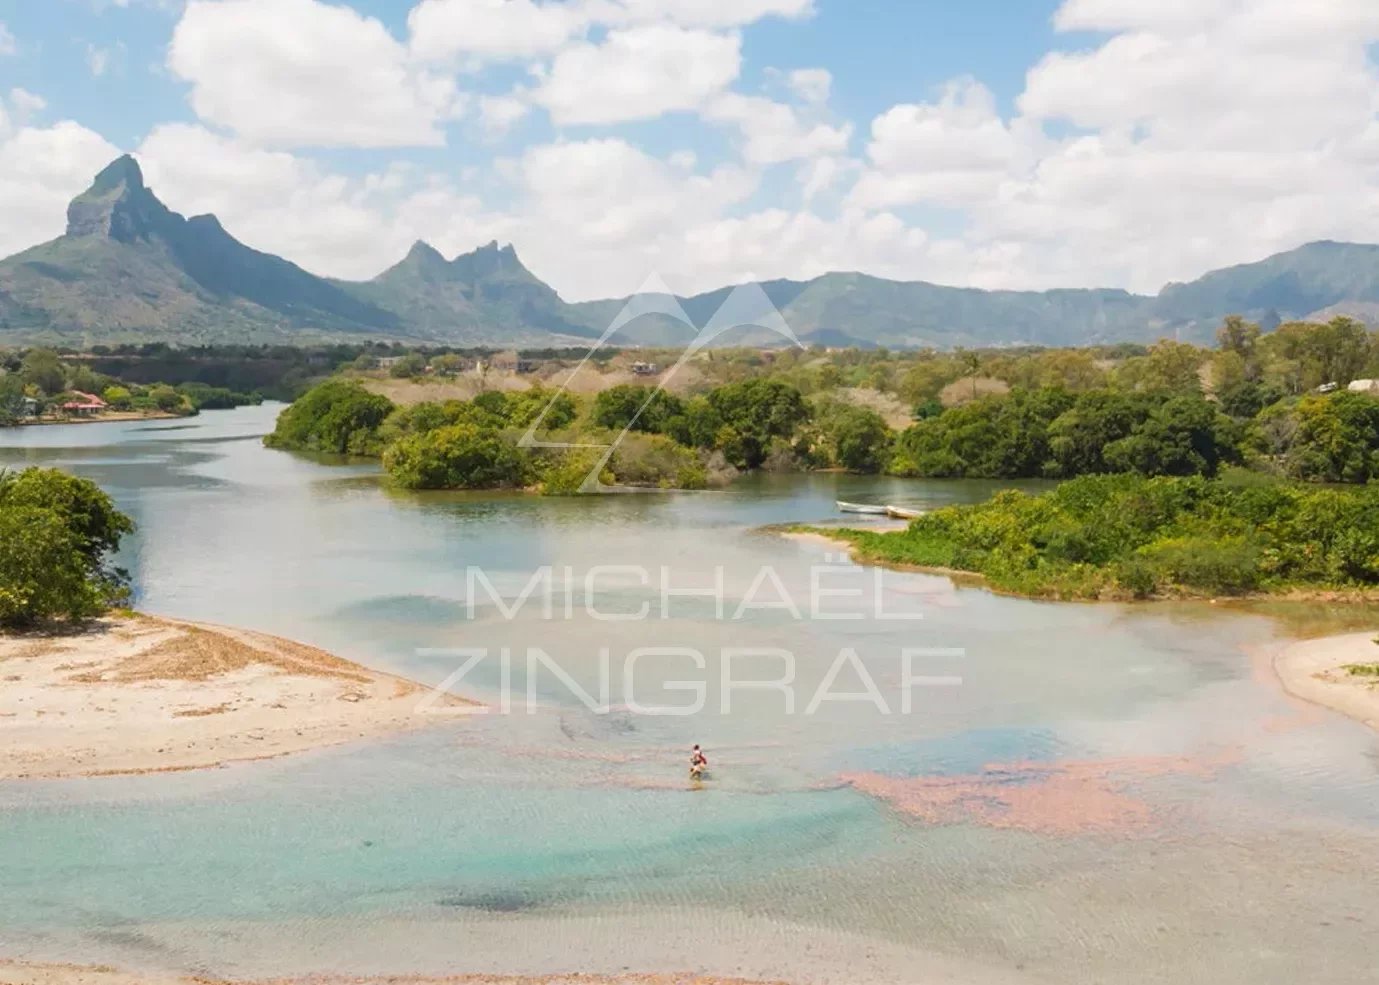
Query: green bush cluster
x=336, y=417
x=1132, y=536
x=58, y=534
x=1054, y=433
x=475, y=444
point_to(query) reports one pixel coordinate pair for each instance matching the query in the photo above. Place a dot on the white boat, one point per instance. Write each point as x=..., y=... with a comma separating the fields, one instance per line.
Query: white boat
x=860, y=508
x=903, y=512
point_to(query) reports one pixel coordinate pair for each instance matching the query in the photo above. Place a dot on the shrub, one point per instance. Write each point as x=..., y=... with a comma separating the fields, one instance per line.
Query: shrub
x=460, y=456
x=1225, y=565
x=337, y=417
x=407, y=367
x=640, y=407
x=1140, y=536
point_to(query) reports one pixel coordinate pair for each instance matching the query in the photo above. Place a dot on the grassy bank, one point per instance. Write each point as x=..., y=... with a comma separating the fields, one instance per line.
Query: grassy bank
x=1128, y=537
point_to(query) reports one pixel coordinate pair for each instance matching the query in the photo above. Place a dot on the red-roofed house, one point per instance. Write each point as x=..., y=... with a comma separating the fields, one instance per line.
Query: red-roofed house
x=84, y=405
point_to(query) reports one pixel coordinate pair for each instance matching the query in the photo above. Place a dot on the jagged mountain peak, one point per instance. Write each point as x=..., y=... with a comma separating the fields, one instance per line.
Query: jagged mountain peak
x=424, y=252
x=123, y=172
x=118, y=205
x=491, y=262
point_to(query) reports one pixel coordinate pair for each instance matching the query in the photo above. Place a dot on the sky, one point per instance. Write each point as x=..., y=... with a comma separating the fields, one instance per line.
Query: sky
x=986, y=143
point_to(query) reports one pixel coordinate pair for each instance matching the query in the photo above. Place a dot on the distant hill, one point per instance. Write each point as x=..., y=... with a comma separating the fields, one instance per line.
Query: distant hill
x=484, y=296
x=129, y=269
x=1285, y=287
x=855, y=309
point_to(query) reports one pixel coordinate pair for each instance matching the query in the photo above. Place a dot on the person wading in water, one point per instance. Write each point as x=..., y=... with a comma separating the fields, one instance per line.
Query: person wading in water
x=698, y=762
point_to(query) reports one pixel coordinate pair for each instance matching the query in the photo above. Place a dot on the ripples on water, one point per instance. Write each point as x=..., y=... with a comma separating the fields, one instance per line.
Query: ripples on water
x=1113, y=794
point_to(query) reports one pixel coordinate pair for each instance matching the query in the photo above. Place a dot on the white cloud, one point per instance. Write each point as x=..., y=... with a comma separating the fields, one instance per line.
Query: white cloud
x=492, y=28
x=813, y=85
x=499, y=114
x=103, y=59
x=596, y=216
x=303, y=73
x=284, y=204
x=821, y=175
x=639, y=73
x=696, y=13
x=773, y=132
x=8, y=46
x=41, y=170
x=512, y=29
x=24, y=105
x=1205, y=133
x=167, y=5
x=1121, y=15
x=955, y=152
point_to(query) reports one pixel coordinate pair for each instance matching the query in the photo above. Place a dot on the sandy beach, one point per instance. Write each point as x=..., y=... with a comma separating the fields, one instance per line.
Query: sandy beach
x=1314, y=670
x=137, y=694
x=109, y=417
x=50, y=974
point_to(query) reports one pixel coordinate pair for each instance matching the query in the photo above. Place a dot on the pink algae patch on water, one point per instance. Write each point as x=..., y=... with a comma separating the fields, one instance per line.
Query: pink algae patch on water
x=1061, y=798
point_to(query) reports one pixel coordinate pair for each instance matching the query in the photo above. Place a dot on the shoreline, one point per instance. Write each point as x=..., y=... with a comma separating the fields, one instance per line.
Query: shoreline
x=1314, y=671
x=25, y=973
x=131, y=695
x=975, y=579
x=115, y=417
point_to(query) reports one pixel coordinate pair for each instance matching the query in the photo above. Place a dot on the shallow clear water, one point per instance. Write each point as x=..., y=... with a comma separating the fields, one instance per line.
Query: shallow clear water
x=1111, y=794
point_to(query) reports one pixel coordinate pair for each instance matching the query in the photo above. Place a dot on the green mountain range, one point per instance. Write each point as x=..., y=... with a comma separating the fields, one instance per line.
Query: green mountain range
x=129, y=269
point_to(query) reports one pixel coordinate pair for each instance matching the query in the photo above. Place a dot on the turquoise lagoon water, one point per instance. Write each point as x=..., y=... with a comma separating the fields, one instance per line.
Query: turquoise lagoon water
x=1240, y=843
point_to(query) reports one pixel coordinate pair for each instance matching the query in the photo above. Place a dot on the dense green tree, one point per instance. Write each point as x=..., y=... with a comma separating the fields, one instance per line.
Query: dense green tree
x=447, y=363
x=41, y=368
x=642, y=408
x=554, y=409
x=411, y=365
x=11, y=398
x=1309, y=355
x=991, y=437
x=696, y=425
x=1336, y=438
x=336, y=416
x=459, y=456
x=165, y=398
x=1245, y=399
x=753, y=413
x=59, y=534
x=1181, y=436
x=118, y=397
x=1079, y=436
x=1241, y=339
x=858, y=439
x=1168, y=366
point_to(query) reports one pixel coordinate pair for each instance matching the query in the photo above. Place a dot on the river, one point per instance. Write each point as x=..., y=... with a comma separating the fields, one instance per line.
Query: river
x=1074, y=792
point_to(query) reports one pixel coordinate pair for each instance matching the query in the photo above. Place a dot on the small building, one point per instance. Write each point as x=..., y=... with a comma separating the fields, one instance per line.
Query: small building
x=28, y=407
x=1328, y=388
x=83, y=404
x=1370, y=387
x=645, y=369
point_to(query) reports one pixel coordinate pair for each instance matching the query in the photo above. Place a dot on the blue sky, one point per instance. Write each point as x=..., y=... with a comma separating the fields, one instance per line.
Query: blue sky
x=880, y=52
x=994, y=143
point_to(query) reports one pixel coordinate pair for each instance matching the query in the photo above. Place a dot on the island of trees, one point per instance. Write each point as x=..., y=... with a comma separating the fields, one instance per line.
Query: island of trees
x=1129, y=536
x=1275, y=403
